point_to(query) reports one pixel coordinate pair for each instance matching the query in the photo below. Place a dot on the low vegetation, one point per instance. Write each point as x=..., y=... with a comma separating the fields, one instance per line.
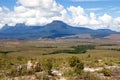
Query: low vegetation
x=108, y=44
x=64, y=59
x=76, y=49
x=115, y=49
x=106, y=72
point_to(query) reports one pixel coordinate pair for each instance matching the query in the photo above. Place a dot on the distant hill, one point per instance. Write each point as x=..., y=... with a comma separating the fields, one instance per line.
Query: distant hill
x=113, y=37
x=52, y=30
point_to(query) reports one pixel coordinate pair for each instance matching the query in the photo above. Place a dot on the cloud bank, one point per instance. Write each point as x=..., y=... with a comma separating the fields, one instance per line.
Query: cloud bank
x=41, y=12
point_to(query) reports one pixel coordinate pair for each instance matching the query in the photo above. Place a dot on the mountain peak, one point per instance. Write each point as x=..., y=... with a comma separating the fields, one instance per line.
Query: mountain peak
x=20, y=25
x=57, y=22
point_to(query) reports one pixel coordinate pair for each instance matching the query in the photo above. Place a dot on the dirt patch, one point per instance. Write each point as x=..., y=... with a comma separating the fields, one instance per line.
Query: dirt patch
x=115, y=73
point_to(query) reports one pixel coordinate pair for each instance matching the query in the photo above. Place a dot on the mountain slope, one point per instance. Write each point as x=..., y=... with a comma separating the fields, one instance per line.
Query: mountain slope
x=51, y=30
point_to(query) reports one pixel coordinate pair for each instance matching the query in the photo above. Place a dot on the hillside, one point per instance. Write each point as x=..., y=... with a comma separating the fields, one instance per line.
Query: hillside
x=52, y=30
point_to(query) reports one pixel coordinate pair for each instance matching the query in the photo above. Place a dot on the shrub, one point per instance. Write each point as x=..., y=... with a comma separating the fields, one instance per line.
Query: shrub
x=79, y=68
x=73, y=61
x=49, y=66
x=106, y=72
x=88, y=56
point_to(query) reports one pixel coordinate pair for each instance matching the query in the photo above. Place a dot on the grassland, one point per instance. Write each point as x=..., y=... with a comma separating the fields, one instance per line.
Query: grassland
x=13, y=53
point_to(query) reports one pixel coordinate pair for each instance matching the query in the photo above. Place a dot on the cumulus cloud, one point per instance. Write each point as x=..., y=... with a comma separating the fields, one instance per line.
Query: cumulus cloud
x=0, y=9
x=80, y=18
x=29, y=3
x=93, y=21
x=41, y=12
x=76, y=11
x=77, y=16
x=34, y=12
x=105, y=18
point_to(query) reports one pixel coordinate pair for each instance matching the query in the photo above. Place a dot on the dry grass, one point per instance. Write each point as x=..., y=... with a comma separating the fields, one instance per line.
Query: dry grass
x=25, y=50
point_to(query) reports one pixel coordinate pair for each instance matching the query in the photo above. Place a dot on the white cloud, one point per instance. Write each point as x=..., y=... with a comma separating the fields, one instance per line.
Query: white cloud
x=93, y=20
x=41, y=12
x=105, y=18
x=0, y=9
x=78, y=16
x=20, y=9
x=76, y=11
x=116, y=24
x=35, y=12
x=29, y=3
x=92, y=16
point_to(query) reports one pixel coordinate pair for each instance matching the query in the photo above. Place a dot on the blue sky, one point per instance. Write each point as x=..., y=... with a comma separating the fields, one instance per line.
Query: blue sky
x=88, y=13
x=111, y=7
x=105, y=6
x=8, y=3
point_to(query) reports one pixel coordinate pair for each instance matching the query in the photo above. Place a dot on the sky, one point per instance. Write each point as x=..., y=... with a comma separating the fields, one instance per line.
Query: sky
x=94, y=14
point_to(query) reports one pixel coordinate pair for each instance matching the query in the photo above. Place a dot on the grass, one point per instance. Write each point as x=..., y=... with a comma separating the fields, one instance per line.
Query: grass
x=19, y=52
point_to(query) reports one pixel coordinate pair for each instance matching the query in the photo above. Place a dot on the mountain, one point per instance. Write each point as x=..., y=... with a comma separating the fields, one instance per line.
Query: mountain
x=52, y=30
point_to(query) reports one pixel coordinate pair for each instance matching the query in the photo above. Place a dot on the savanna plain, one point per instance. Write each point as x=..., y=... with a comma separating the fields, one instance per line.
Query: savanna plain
x=60, y=59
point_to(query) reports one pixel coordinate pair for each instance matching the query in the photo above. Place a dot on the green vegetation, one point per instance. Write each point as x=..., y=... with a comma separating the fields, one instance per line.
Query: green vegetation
x=106, y=72
x=82, y=48
x=5, y=52
x=46, y=46
x=76, y=49
x=70, y=63
x=48, y=66
x=73, y=61
x=115, y=49
x=108, y=44
x=79, y=68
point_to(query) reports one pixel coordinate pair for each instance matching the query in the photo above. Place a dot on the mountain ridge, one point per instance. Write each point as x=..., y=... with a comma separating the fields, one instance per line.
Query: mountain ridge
x=52, y=30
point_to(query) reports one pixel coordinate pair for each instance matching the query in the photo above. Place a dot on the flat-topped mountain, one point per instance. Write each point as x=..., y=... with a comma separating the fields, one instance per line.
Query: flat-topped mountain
x=52, y=30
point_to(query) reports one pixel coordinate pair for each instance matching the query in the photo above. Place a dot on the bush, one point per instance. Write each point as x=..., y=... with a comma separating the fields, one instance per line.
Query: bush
x=49, y=66
x=76, y=64
x=79, y=68
x=106, y=72
x=73, y=61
